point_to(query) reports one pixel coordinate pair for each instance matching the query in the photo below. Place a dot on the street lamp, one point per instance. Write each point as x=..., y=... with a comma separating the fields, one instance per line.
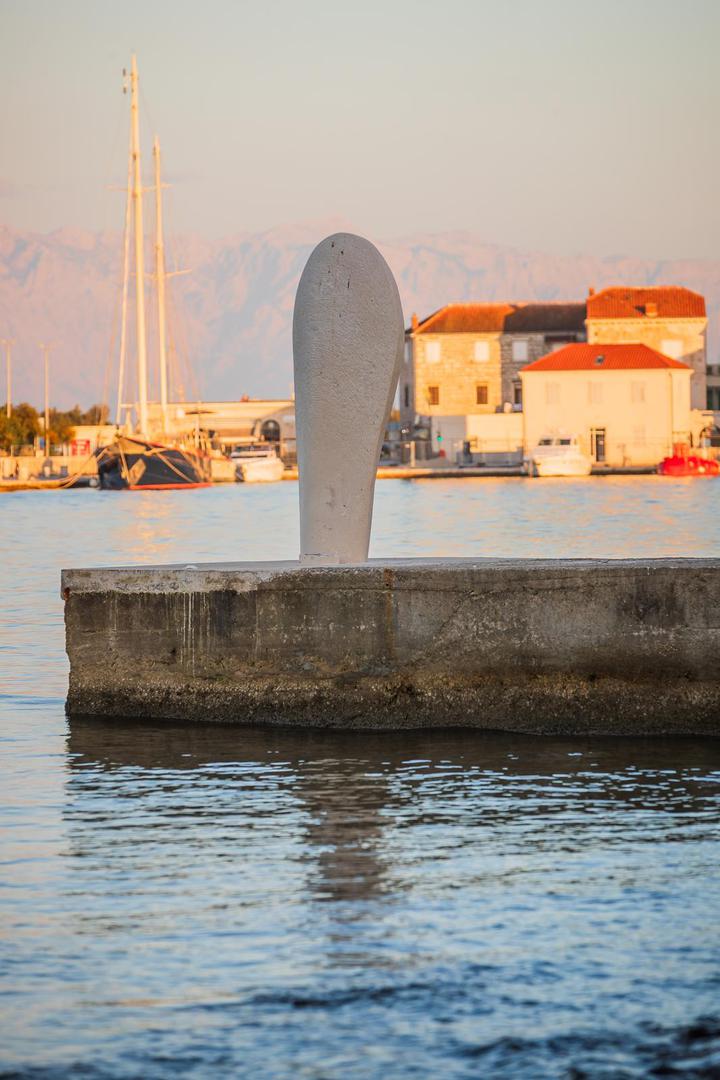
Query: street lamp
x=8, y=343
x=46, y=353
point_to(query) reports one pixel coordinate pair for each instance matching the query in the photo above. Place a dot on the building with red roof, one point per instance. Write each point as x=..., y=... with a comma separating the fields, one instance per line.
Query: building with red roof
x=626, y=403
x=668, y=318
x=465, y=364
x=464, y=360
x=602, y=357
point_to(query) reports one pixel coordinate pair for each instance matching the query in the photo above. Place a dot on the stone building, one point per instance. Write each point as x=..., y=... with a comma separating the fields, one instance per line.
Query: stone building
x=231, y=423
x=464, y=361
x=670, y=319
x=626, y=403
x=713, y=390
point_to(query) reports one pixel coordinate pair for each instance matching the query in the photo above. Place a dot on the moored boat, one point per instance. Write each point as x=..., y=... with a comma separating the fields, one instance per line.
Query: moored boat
x=682, y=463
x=258, y=465
x=135, y=461
x=559, y=455
x=133, y=464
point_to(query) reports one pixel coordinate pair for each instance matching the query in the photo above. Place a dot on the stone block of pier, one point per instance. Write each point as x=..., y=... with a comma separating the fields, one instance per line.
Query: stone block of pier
x=622, y=647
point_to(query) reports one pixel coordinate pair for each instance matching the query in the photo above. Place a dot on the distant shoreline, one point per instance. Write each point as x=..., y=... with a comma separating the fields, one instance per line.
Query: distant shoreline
x=384, y=473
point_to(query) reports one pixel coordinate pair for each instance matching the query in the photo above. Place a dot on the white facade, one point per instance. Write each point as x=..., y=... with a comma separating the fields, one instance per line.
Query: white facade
x=622, y=417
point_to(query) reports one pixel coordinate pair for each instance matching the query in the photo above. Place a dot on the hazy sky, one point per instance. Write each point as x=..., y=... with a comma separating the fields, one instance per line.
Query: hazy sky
x=558, y=125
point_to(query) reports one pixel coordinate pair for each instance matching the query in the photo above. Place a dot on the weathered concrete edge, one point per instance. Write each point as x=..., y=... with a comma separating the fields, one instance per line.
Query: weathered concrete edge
x=242, y=576
x=538, y=705
x=387, y=692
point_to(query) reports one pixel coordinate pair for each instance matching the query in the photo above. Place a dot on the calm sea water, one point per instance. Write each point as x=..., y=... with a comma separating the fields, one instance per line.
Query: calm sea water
x=202, y=902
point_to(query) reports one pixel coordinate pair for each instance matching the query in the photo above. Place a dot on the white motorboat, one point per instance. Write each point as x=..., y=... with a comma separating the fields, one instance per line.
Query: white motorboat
x=559, y=455
x=257, y=465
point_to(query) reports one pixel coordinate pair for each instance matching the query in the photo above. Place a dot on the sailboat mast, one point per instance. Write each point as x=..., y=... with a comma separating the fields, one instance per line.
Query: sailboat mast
x=160, y=279
x=139, y=252
x=125, y=278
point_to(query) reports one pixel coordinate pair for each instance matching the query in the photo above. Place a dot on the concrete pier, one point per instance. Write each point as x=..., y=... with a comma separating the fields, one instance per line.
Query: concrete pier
x=621, y=647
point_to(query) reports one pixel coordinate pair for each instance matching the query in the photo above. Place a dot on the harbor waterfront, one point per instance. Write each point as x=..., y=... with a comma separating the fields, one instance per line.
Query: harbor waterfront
x=175, y=897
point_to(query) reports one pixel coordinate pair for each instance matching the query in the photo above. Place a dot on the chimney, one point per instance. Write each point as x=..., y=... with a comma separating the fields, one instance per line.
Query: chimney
x=591, y=290
x=413, y=321
x=651, y=310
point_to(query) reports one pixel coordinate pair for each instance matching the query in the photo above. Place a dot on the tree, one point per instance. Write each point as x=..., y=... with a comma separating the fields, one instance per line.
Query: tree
x=22, y=427
x=62, y=425
x=96, y=414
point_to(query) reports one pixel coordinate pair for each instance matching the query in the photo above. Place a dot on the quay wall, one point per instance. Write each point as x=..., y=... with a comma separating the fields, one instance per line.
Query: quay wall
x=622, y=647
x=30, y=466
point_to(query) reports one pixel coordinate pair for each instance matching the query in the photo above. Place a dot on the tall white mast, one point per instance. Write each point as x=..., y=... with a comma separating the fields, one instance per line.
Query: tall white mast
x=126, y=275
x=160, y=279
x=139, y=252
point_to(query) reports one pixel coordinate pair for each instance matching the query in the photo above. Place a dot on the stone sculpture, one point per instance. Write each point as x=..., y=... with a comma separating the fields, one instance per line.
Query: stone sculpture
x=348, y=334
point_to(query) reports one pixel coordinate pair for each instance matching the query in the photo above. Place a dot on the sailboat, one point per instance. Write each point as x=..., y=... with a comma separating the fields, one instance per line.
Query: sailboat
x=134, y=462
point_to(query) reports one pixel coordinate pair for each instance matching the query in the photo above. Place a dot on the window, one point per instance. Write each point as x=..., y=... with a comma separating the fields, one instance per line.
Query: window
x=270, y=431
x=406, y=395
x=552, y=393
x=594, y=394
x=432, y=352
x=637, y=393
x=672, y=347
x=433, y=395
x=481, y=394
x=482, y=350
x=517, y=393
x=520, y=350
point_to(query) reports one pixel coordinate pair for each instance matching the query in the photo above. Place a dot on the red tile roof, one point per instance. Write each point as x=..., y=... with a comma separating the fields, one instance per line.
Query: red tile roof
x=664, y=302
x=505, y=318
x=614, y=358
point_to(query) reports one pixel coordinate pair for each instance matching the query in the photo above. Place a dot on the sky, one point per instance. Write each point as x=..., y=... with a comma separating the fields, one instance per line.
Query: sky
x=562, y=126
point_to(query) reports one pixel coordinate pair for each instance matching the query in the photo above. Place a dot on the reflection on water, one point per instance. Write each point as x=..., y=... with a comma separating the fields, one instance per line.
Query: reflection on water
x=282, y=903
x=205, y=901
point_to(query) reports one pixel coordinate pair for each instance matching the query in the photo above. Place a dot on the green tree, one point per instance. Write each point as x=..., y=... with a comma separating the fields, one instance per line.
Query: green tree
x=96, y=414
x=62, y=425
x=22, y=427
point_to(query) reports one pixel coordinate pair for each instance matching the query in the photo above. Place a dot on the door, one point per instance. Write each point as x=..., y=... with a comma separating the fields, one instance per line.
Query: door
x=597, y=444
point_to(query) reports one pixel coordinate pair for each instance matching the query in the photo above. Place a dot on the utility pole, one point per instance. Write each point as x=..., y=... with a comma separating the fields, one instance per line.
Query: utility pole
x=8, y=343
x=46, y=353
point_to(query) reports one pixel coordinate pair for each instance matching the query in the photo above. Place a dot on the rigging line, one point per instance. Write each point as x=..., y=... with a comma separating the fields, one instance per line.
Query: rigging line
x=184, y=351
x=108, y=173
x=157, y=452
x=105, y=389
x=81, y=471
x=109, y=170
x=180, y=340
x=145, y=110
x=124, y=468
x=124, y=292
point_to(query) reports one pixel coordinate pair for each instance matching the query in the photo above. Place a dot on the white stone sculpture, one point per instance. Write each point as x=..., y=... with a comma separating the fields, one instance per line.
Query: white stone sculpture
x=348, y=335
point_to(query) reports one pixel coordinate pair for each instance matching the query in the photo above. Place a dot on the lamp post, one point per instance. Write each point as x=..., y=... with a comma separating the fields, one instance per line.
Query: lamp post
x=8, y=343
x=46, y=353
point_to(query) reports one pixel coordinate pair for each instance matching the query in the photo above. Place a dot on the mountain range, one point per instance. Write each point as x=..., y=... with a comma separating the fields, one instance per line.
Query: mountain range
x=230, y=315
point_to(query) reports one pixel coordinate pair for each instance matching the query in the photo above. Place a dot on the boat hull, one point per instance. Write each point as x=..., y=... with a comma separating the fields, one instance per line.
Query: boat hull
x=692, y=466
x=259, y=470
x=155, y=468
x=563, y=468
